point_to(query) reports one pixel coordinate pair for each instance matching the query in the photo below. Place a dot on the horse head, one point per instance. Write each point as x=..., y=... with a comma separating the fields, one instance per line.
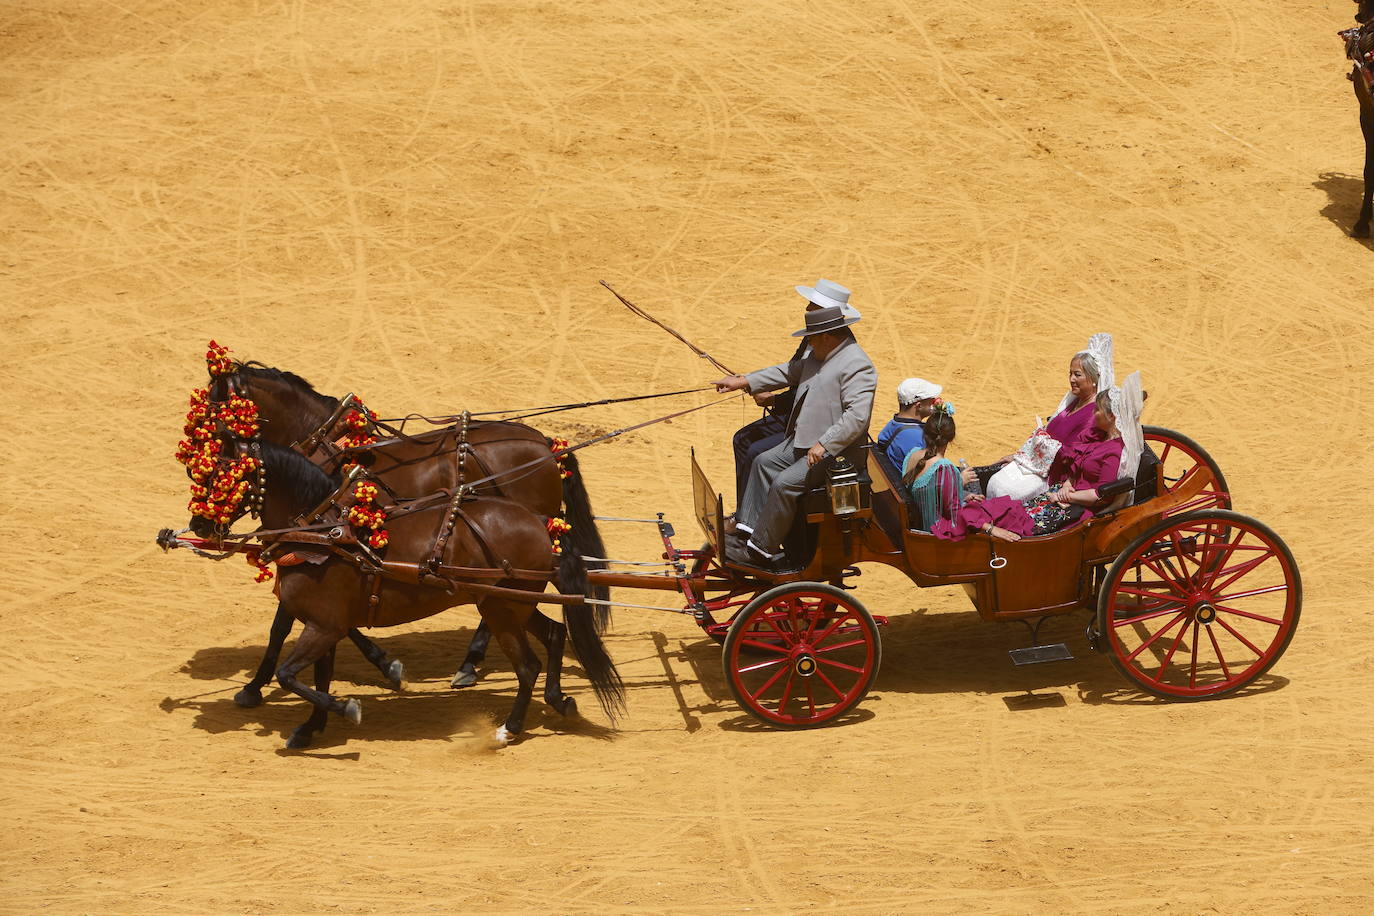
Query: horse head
x=289, y=408
x=250, y=476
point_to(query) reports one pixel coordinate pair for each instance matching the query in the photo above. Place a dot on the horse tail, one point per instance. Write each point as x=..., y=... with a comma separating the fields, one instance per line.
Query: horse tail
x=584, y=540
x=585, y=636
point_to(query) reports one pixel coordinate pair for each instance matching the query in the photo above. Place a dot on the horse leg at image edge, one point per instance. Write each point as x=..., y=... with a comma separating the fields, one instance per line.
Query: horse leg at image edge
x=315, y=645
x=1361, y=228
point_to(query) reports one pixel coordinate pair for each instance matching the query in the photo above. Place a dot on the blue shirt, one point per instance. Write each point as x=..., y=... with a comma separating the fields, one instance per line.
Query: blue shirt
x=899, y=437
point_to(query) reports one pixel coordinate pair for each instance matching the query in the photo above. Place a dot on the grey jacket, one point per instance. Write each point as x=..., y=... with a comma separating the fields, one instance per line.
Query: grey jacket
x=834, y=398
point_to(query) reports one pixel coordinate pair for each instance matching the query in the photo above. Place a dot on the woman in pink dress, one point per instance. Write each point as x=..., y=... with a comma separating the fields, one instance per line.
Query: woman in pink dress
x=1109, y=450
x=1031, y=469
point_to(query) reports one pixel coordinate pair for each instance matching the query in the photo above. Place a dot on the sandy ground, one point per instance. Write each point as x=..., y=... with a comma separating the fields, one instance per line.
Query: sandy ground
x=417, y=205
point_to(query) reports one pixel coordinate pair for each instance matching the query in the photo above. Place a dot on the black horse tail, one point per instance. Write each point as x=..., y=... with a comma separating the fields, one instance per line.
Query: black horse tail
x=586, y=637
x=584, y=540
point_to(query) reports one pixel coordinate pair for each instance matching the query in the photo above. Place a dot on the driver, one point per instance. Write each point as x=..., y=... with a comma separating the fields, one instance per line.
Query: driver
x=757, y=437
x=834, y=384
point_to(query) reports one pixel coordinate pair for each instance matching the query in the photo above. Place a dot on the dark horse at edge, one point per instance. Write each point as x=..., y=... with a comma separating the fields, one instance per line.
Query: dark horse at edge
x=291, y=410
x=1358, y=46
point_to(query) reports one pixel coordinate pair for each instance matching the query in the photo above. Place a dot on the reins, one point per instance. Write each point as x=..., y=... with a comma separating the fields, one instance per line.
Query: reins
x=525, y=413
x=445, y=496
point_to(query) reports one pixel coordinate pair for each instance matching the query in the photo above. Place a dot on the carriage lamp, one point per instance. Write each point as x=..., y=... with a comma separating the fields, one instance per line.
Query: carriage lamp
x=843, y=486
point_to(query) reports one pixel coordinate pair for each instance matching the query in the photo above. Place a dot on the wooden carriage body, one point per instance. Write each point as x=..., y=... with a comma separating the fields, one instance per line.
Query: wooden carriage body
x=1040, y=576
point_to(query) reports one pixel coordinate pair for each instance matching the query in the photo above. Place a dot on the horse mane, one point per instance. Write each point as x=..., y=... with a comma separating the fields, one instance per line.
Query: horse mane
x=255, y=369
x=297, y=473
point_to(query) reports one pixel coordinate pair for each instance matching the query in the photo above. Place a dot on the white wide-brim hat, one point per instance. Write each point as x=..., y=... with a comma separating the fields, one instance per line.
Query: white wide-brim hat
x=917, y=389
x=829, y=295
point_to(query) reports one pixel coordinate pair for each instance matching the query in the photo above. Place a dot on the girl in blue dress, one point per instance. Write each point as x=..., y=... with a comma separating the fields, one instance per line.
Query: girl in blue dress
x=932, y=479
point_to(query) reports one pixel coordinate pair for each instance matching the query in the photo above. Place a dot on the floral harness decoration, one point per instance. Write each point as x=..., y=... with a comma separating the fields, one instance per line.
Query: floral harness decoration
x=220, y=484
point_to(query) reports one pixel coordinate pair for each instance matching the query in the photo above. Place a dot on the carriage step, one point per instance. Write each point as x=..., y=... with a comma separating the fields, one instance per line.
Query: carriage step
x=1036, y=655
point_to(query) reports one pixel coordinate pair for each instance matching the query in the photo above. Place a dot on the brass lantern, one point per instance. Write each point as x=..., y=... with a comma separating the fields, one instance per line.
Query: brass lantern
x=843, y=486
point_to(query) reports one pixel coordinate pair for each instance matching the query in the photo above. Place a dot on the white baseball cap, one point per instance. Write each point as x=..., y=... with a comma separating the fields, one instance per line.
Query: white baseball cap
x=916, y=389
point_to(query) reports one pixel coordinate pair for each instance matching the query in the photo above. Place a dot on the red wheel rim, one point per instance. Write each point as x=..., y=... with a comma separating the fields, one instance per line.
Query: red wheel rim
x=803, y=659
x=1182, y=461
x=1202, y=607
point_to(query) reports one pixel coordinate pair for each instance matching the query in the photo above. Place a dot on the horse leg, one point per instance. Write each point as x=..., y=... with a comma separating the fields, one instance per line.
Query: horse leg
x=507, y=622
x=251, y=694
x=391, y=669
x=553, y=634
x=1361, y=229
x=315, y=643
x=477, y=651
x=542, y=628
x=324, y=673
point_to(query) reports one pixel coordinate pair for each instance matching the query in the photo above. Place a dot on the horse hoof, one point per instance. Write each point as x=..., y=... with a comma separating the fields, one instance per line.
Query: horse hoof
x=396, y=674
x=464, y=678
x=1360, y=232
x=503, y=737
x=248, y=697
x=353, y=711
x=568, y=707
x=299, y=739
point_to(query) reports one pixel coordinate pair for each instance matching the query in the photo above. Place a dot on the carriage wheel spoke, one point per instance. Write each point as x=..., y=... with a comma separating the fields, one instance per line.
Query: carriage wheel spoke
x=1216, y=647
x=1267, y=590
x=1236, y=633
x=841, y=645
x=1236, y=572
x=1248, y=615
x=789, y=639
x=764, y=646
x=1192, y=666
x=759, y=666
x=841, y=665
x=833, y=626
x=1169, y=656
x=1171, y=583
x=1148, y=614
x=1151, y=641
x=770, y=682
x=839, y=694
x=810, y=701
x=786, y=692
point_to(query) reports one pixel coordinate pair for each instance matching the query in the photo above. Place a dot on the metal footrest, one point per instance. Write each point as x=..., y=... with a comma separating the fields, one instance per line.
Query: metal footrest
x=1036, y=655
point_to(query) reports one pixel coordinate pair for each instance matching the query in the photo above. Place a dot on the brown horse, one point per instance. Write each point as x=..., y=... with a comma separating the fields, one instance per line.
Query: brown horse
x=293, y=413
x=335, y=595
x=1358, y=46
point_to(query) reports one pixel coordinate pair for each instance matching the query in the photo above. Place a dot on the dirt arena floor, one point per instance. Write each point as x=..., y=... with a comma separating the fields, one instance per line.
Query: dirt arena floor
x=416, y=202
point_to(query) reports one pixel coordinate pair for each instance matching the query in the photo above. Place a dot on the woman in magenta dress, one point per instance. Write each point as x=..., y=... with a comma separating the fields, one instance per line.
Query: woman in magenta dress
x=1031, y=469
x=1110, y=450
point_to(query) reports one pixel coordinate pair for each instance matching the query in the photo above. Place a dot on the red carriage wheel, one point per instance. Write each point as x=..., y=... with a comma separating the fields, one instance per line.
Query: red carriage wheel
x=801, y=655
x=1182, y=458
x=1200, y=605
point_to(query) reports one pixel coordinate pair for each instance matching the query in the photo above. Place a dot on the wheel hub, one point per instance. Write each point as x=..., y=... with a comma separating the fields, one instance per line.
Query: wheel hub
x=1205, y=613
x=804, y=663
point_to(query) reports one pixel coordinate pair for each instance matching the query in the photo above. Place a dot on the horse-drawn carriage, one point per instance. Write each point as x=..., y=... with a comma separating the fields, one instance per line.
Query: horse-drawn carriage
x=1189, y=599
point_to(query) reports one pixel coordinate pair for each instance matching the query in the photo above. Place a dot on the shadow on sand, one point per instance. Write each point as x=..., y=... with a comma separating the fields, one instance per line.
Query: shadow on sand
x=1344, y=194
